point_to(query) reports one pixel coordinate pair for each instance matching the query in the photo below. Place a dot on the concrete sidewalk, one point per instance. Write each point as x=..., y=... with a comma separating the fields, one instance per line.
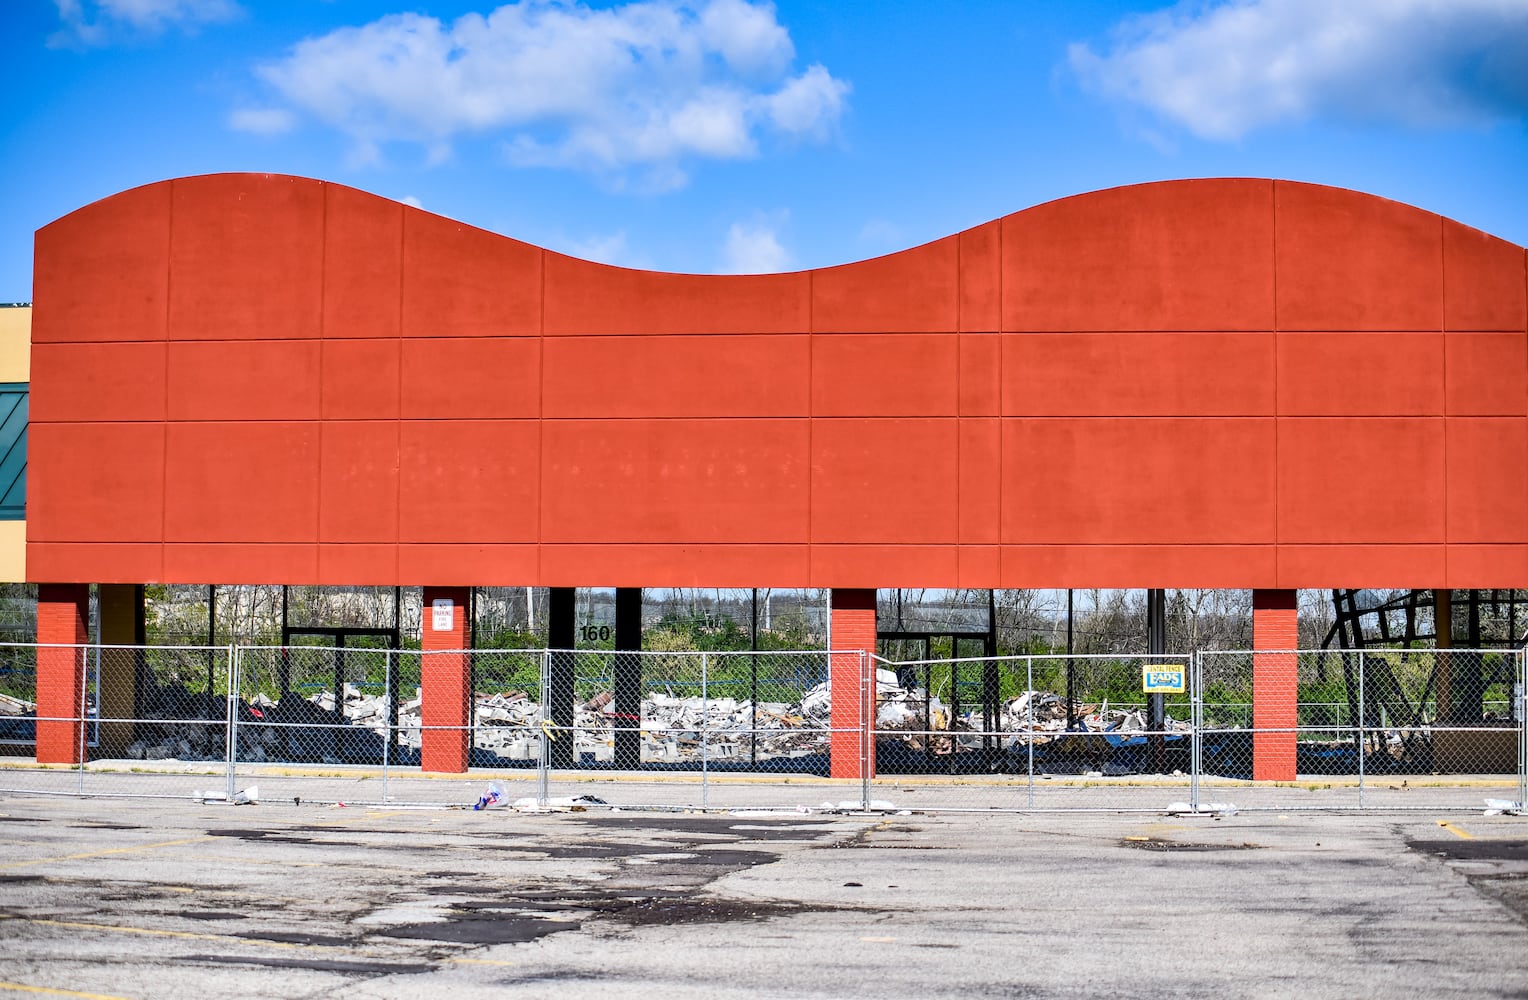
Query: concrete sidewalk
x=355, y=784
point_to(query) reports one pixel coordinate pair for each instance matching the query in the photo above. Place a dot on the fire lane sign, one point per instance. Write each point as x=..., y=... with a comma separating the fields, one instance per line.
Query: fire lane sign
x=1163, y=678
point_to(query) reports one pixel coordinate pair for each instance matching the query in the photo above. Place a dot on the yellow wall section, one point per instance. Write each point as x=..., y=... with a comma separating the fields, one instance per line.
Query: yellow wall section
x=15, y=343
x=13, y=551
x=15, y=366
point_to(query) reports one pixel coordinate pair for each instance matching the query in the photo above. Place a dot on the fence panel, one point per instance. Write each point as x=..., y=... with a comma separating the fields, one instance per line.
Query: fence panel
x=1050, y=732
x=690, y=729
x=1101, y=742
x=58, y=712
x=313, y=723
x=507, y=709
x=160, y=720
x=1362, y=729
x=1267, y=744
x=1439, y=727
x=139, y=721
x=941, y=734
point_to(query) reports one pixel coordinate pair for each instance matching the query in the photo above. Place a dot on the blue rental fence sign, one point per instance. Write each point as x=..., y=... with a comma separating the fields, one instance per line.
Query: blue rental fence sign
x=1162, y=678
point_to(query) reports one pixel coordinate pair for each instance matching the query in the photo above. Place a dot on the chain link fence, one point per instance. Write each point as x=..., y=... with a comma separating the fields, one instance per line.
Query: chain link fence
x=1032, y=732
x=1386, y=729
x=651, y=729
x=1282, y=730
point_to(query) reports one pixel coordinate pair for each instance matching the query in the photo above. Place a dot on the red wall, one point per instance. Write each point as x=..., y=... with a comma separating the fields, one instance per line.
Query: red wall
x=1228, y=383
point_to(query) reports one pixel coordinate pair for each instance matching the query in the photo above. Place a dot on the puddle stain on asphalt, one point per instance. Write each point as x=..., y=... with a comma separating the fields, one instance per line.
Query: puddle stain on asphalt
x=1506, y=881
x=648, y=874
x=1176, y=846
x=1479, y=849
x=638, y=895
x=316, y=964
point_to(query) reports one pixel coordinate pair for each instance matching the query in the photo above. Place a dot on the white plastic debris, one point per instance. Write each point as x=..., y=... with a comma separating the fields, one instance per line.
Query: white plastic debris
x=856, y=805
x=247, y=797
x=1203, y=809
x=491, y=799
x=1503, y=807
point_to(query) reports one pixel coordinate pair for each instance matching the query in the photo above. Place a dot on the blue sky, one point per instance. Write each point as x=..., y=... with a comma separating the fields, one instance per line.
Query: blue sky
x=723, y=135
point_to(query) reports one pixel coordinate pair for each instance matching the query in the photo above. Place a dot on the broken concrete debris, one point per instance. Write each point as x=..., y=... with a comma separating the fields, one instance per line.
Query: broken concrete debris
x=677, y=730
x=690, y=730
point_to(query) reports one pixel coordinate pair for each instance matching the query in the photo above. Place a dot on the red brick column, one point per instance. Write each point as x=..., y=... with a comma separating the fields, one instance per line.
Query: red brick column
x=852, y=628
x=446, y=679
x=1275, y=678
x=62, y=609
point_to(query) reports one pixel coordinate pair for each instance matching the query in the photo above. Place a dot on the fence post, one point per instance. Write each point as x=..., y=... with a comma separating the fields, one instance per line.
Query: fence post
x=1363, y=738
x=93, y=680
x=705, y=732
x=867, y=721
x=543, y=761
x=1029, y=690
x=231, y=683
x=387, y=719
x=1522, y=728
x=84, y=714
x=1195, y=722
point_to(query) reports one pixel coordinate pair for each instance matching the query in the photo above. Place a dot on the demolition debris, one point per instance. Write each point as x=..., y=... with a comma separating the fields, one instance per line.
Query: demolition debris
x=916, y=731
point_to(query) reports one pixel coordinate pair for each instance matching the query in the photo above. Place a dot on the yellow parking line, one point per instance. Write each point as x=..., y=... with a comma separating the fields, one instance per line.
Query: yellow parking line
x=184, y=935
x=1456, y=831
x=24, y=988
x=196, y=936
x=102, y=854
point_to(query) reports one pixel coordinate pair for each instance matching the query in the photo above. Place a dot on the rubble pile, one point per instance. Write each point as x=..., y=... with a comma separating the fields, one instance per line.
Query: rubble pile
x=679, y=731
x=1049, y=720
x=1031, y=722
x=182, y=725
x=673, y=730
x=17, y=720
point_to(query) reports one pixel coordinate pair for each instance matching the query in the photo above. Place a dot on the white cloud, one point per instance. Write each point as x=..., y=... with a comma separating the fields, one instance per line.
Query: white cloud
x=411, y=201
x=262, y=121
x=607, y=249
x=100, y=22
x=753, y=248
x=808, y=105
x=646, y=85
x=747, y=36
x=1224, y=69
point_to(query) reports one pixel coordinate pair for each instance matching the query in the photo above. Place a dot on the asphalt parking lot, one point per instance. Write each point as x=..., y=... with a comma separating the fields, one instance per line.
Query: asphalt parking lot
x=150, y=899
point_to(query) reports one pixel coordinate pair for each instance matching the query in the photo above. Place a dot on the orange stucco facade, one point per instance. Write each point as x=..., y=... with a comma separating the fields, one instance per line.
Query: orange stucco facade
x=1213, y=383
